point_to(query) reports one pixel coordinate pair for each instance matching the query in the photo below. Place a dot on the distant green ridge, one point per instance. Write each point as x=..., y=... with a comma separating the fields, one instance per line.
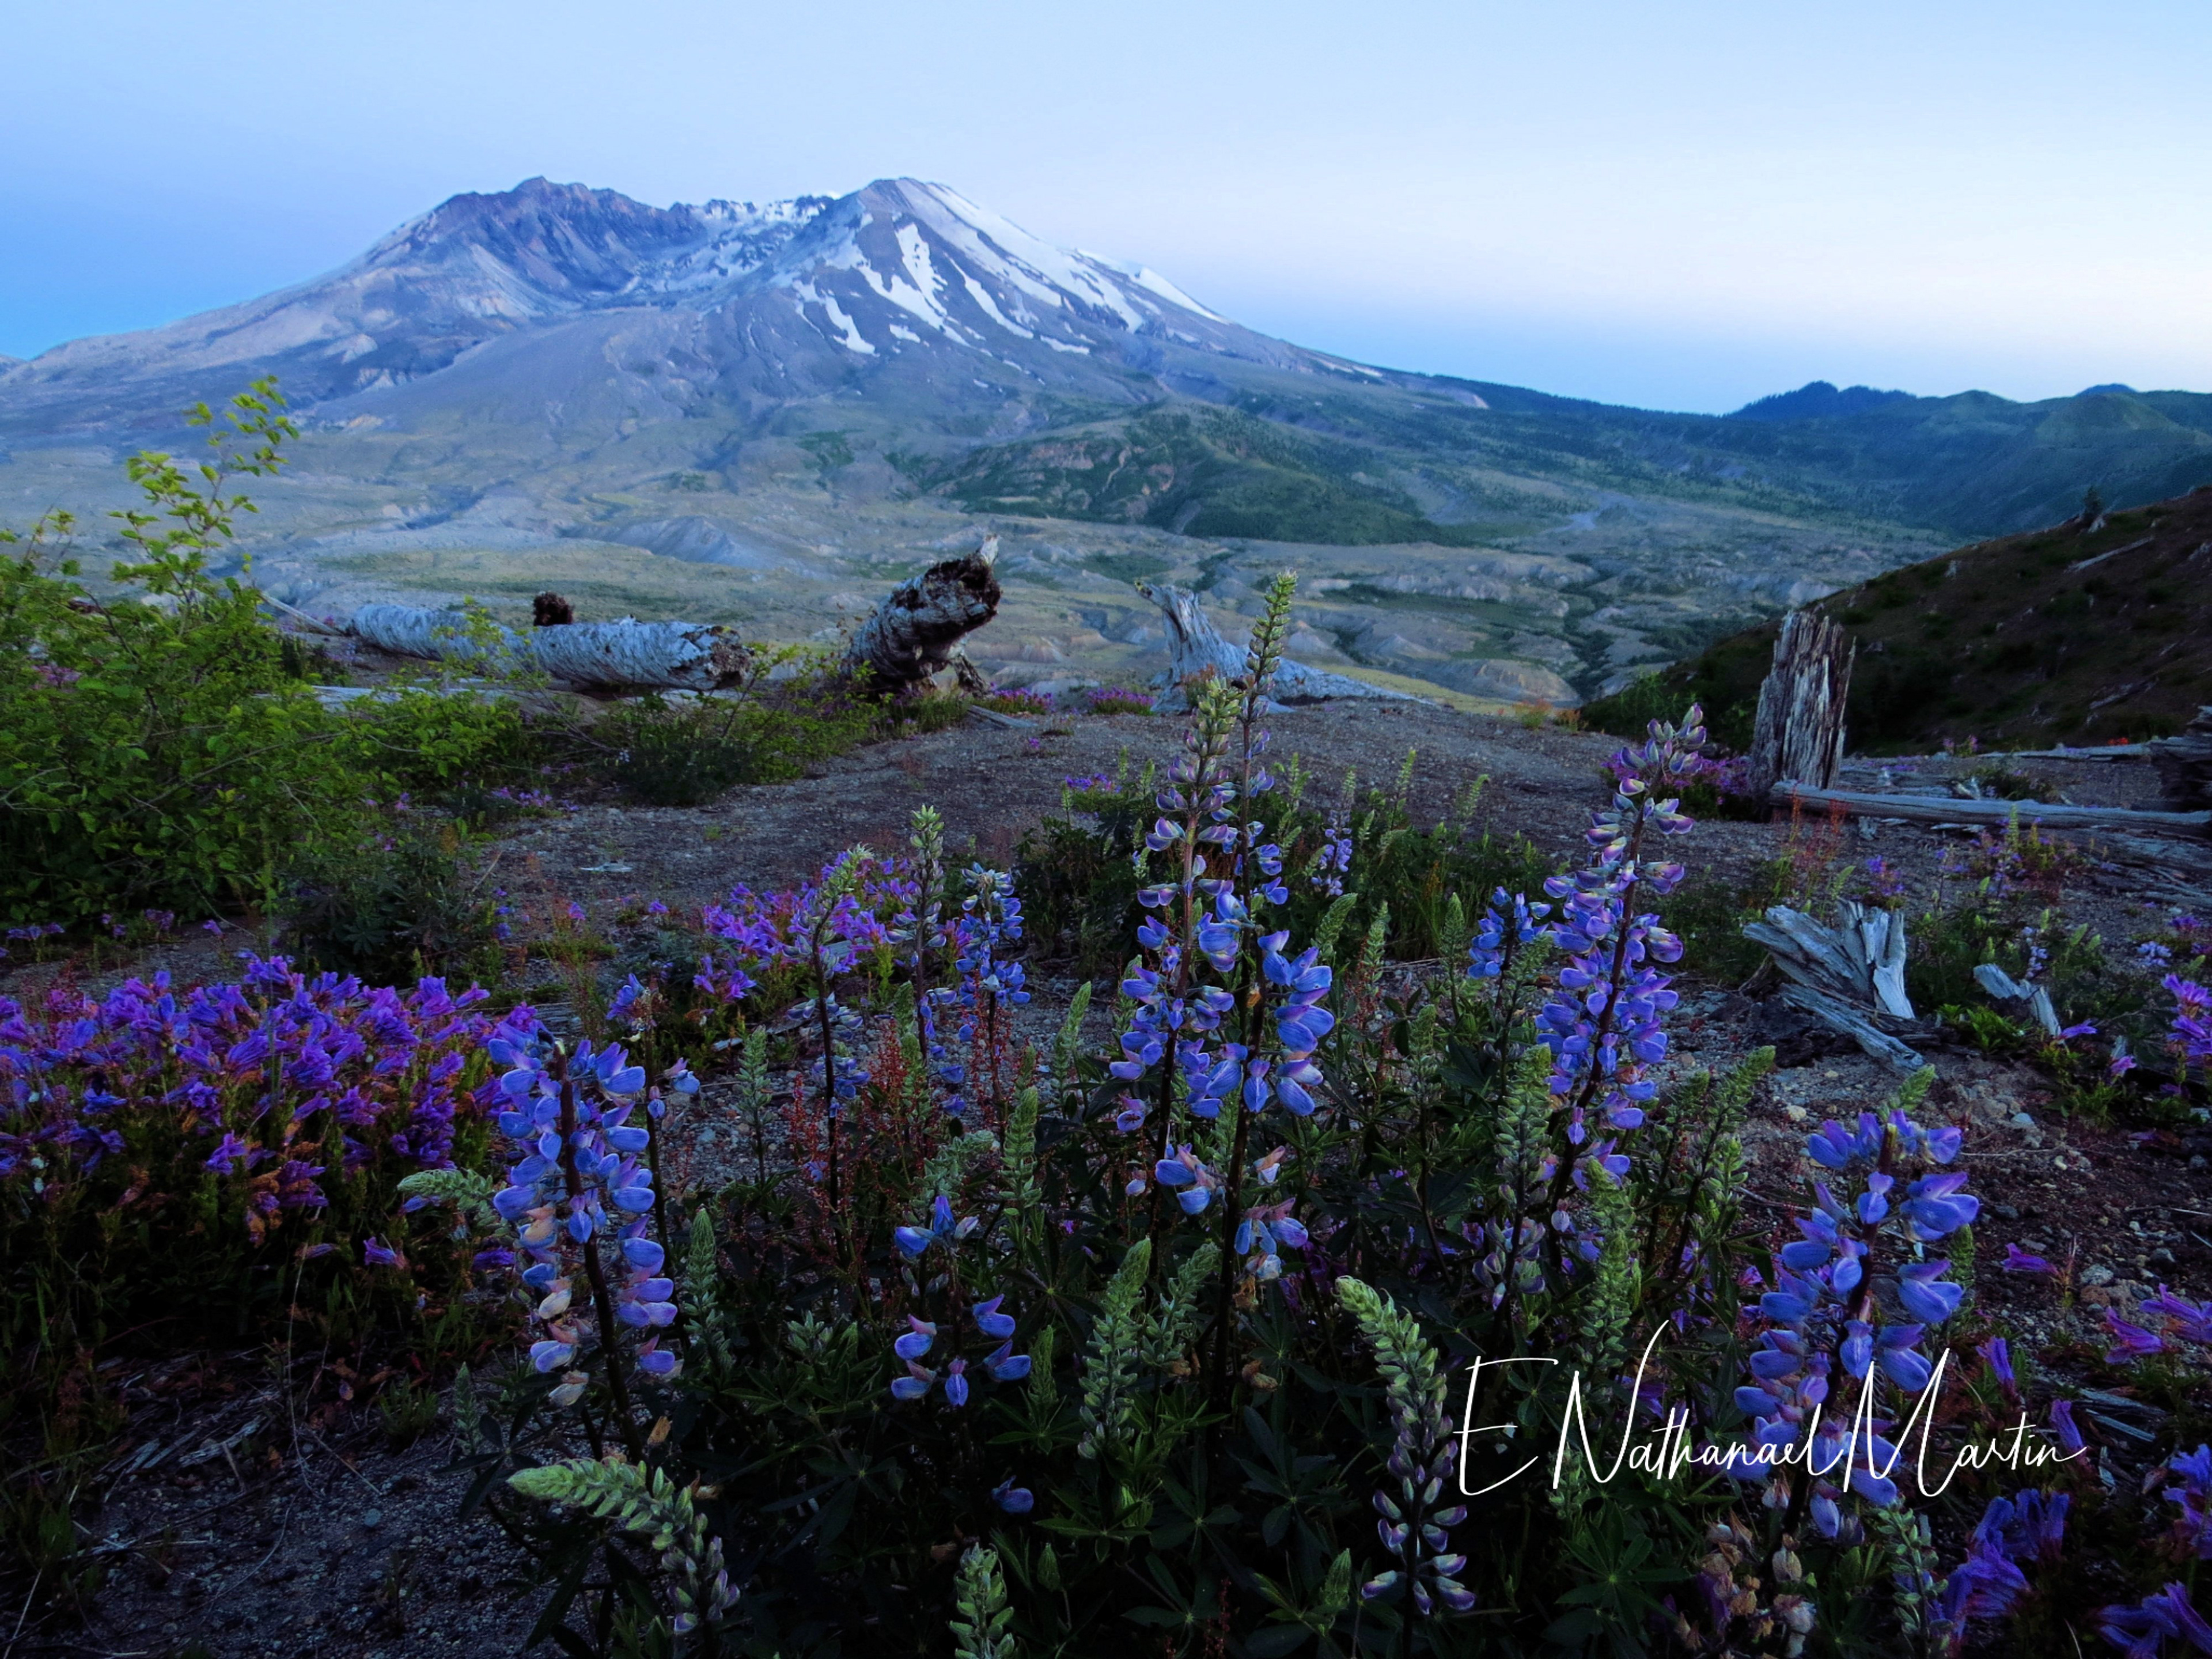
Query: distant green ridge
x=2070, y=635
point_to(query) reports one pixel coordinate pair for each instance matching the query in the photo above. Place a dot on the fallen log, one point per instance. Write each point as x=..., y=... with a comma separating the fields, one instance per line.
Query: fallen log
x=1196, y=650
x=1947, y=808
x=669, y=656
x=1851, y=976
x=913, y=633
x=1798, y=732
x=2184, y=764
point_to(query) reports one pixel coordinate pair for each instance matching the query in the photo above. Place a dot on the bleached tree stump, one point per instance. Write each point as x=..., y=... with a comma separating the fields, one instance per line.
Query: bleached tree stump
x=1851, y=976
x=914, y=632
x=1196, y=651
x=1799, y=732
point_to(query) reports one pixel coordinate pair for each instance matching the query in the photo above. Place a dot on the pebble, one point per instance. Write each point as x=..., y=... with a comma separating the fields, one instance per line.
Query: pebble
x=2099, y=1275
x=372, y=1517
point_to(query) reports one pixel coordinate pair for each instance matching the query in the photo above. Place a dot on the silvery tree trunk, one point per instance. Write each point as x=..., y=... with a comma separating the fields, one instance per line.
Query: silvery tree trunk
x=1197, y=650
x=1799, y=732
x=668, y=656
x=913, y=633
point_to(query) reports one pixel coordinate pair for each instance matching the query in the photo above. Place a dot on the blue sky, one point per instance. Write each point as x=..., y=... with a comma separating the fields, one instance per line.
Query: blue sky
x=1682, y=205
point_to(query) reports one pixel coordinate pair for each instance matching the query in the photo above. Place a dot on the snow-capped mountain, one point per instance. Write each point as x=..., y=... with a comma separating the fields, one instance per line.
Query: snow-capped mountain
x=790, y=298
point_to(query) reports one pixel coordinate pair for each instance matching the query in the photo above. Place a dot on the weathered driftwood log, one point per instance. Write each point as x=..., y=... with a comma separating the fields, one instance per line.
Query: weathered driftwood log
x=661, y=656
x=912, y=633
x=1946, y=809
x=1196, y=650
x=1850, y=977
x=1799, y=730
x=2184, y=764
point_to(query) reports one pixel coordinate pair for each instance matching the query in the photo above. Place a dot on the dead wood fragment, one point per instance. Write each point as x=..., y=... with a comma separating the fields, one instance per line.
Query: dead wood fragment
x=912, y=633
x=1197, y=650
x=1851, y=976
x=1799, y=732
x=2184, y=764
x=670, y=656
x=1944, y=808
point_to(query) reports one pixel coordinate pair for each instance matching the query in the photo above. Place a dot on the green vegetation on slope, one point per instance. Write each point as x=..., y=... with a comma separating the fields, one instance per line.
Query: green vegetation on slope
x=1204, y=471
x=2067, y=634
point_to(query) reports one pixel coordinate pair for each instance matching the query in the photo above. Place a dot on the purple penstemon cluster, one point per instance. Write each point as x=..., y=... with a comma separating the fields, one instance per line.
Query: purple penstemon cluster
x=2176, y=1317
x=1605, y=1026
x=2029, y=1526
x=249, y=1067
x=1822, y=1321
x=580, y=1178
x=2142, y=1630
x=2189, y=1034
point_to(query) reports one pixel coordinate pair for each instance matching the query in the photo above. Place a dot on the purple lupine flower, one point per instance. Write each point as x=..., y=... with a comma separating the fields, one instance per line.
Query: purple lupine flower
x=2018, y=1260
x=943, y=1230
x=1192, y=1182
x=570, y=1111
x=1509, y=925
x=1822, y=1316
x=377, y=1253
x=2062, y=1426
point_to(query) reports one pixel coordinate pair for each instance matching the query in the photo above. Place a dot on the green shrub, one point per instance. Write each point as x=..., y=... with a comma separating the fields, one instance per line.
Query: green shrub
x=403, y=900
x=157, y=746
x=679, y=749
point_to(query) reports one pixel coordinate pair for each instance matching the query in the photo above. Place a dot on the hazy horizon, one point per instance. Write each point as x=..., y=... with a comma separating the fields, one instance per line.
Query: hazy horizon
x=1687, y=211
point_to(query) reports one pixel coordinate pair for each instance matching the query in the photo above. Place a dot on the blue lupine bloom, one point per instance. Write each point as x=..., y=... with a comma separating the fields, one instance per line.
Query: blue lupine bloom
x=1005, y=1365
x=918, y=1340
x=1013, y=1500
x=914, y=1384
x=990, y=1321
x=943, y=1230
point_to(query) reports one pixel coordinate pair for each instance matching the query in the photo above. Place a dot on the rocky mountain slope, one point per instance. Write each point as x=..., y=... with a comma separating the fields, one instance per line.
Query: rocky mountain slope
x=2092, y=631
x=759, y=412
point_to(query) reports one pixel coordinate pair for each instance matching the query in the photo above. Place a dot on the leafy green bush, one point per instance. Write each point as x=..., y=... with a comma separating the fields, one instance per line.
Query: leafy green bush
x=684, y=751
x=403, y=900
x=157, y=748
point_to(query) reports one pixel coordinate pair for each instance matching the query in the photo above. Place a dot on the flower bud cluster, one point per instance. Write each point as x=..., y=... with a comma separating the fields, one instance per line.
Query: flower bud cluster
x=1412, y=1525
